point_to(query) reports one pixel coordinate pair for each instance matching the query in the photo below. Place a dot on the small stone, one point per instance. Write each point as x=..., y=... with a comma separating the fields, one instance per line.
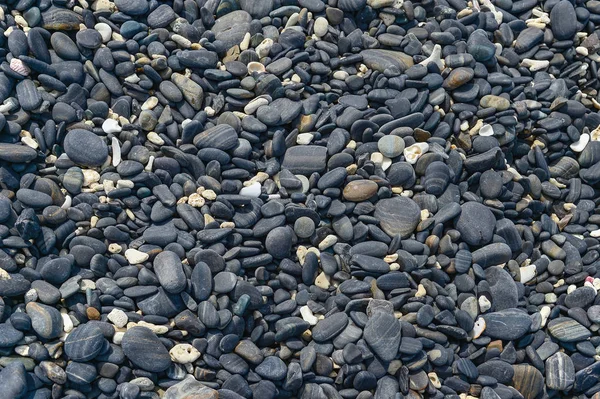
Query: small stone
x=45, y=320
x=184, y=353
x=360, y=190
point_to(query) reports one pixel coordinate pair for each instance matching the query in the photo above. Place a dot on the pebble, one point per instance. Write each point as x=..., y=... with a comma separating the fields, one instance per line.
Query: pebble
x=85, y=148
x=351, y=199
x=143, y=348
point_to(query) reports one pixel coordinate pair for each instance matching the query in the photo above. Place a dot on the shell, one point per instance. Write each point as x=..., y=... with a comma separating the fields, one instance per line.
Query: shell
x=255, y=67
x=415, y=151
x=437, y=177
x=580, y=144
x=19, y=67
x=486, y=130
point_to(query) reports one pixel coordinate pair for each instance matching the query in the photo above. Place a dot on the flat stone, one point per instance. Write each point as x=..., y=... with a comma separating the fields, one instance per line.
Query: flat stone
x=398, y=215
x=380, y=60
x=306, y=159
x=383, y=334
x=565, y=329
x=189, y=388
x=85, y=148
x=560, y=371
x=143, y=348
x=84, y=343
x=45, y=320
x=508, y=324
x=329, y=327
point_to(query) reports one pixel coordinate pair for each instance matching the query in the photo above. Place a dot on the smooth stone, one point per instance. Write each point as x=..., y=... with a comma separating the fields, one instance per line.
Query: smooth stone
x=560, y=371
x=272, y=368
x=504, y=291
x=190, y=388
x=46, y=321
x=383, y=334
x=84, y=343
x=231, y=28
x=169, y=270
x=14, y=381
x=15, y=153
x=143, y=348
x=398, y=215
x=563, y=20
x=509, y=324
x=9, y=336
x=476, y=224
x=222, y=137
x=565, y=329
x=360, y=190
x=391, y=146
x=380, y=60
x=528, y=381
x=305, y=160
x=492, y=255
x=132, y=7
x=330, y=327
x=581, y=297
x=85, y=148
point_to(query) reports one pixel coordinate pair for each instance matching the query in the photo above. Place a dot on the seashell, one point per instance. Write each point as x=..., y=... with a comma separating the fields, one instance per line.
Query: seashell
x=19, y=67
x=255, y=66
x=415, y=151
x=437, y=177
x=580, y=144
x=486, y=130
x=565, y=167
x=116, y=152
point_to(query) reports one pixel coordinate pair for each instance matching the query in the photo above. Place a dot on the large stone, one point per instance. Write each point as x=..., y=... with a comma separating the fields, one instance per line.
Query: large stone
x=189, y=388
x=398, y=215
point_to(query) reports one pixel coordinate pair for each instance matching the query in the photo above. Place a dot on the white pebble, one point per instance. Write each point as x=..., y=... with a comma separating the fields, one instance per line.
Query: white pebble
x=304, y=138
x=527, y=273
x=321, y=26
x=136, y=257
x=104, y=30
x=184, y=353
x=484, y=304
x=118, y=318
x=308, y=316
x=252, y=190
x=111, y=126
x=67, y=322
x=327, y=242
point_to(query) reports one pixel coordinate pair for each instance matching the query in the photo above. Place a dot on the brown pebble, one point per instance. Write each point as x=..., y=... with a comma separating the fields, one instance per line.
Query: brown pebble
x=92, y=313
x=360, y=190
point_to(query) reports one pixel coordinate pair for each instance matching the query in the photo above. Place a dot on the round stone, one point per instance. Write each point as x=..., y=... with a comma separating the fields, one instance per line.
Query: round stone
x=391, y=146
x=85, y=148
